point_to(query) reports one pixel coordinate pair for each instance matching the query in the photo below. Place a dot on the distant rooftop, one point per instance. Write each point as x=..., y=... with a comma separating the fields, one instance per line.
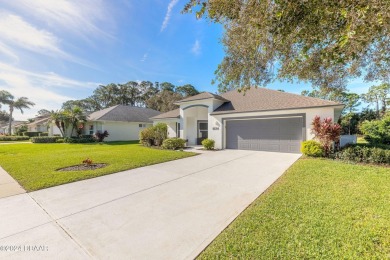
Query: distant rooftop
x=124, y=114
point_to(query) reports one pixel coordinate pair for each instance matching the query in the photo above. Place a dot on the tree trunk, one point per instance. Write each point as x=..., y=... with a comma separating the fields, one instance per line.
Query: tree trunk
x=377, y=109
x=384, y=106
x=11, y=110
x=58, y=124
x=349, y=126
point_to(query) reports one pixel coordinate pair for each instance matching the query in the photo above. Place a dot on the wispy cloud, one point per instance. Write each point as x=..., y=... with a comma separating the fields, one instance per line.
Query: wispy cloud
x=84, y=18
x=15, y=33
x=8, y=54
x=144, y=57
x=41, y=88
x=168, y=14
x=196, y=48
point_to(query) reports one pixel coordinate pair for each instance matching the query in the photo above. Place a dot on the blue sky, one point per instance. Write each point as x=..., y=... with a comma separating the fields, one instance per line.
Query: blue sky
x=53, y=51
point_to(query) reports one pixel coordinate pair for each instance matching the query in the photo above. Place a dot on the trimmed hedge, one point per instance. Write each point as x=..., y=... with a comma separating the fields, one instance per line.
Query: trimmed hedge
x=45, y=139
x=14, y=138
x=364, y=154
x=173, y=143
x=312, y=148
x=82, y=140
x=31, y=134
x=44, y=134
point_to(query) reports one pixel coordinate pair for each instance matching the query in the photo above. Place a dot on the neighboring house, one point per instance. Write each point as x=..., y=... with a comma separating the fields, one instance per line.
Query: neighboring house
x=40, y=124
x=121, y=122
x=2, y=128
x=262, y=119
x=14, y=127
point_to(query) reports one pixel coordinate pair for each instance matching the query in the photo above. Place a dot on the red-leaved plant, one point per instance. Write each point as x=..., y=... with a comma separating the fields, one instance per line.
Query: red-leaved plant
x=100, y=136
x=87, y=161
x=326, y=132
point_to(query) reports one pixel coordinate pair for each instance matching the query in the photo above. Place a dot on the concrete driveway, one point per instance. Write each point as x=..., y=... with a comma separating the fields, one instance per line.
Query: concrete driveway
x=171, y=210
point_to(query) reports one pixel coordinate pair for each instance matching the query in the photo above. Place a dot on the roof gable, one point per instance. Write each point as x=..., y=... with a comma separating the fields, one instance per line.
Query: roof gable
x=203, y=95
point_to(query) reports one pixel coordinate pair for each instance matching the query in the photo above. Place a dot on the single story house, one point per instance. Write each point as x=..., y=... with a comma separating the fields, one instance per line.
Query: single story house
x=260, y=119
x=2, y=127
x=40, y=124
x=122, y=122
x=14, y=127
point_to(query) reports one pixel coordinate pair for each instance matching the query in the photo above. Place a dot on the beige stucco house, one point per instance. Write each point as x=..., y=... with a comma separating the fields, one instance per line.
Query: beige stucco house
x=122, y=123
x=261, y=119
x=40, y=124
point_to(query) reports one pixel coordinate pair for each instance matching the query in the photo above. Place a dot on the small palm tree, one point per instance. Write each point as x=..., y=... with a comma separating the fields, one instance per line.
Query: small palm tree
x=64, y=119
x=75, y=116
x=20, y=104
x=58, y=118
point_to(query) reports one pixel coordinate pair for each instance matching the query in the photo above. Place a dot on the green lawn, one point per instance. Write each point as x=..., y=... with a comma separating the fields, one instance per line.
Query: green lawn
x=318, y=209
x=34, y=165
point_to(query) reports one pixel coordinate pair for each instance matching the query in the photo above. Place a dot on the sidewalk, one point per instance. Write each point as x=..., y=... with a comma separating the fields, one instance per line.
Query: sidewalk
x=8, y=186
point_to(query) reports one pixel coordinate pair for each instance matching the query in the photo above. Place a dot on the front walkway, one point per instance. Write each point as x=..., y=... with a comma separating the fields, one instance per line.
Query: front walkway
x=171, y=210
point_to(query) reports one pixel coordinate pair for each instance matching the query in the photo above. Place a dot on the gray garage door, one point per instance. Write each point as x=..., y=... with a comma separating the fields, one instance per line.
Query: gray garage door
x=270, y=134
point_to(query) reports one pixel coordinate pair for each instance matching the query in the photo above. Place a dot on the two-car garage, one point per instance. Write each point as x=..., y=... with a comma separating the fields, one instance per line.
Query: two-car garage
x=275, y=134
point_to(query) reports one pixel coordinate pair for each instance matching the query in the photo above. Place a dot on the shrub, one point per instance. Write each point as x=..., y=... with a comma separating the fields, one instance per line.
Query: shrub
x=160, y=133
x=44, y=139
x=44, y=134
x=154, y=135
x=31, y=134
x=377, y=131
x=14, y=138
x=100, y=136
x=146, y=137
x=21, y=130
x=312, y=148
x=60, y=140
x=72, y=140
x=173, y=143
x=326, y=132
x=208, y=144
x=364, y=154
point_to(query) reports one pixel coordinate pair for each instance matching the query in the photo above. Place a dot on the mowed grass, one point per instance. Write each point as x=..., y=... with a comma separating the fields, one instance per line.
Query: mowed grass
x=34, y=165
x=319, y=209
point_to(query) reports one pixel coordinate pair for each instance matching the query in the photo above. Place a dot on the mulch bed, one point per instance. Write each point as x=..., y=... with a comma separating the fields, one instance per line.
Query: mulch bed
x=83, y=167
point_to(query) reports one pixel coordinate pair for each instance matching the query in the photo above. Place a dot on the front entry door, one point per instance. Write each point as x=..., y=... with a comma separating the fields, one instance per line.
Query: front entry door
x=202, y=131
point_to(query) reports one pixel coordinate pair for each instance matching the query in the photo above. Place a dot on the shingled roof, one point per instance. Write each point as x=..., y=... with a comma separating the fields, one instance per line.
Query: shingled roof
x=38, y=121
x=263, y=99
x=124, y=114
x=255, y=99
x=203, y=95
x=170, y=114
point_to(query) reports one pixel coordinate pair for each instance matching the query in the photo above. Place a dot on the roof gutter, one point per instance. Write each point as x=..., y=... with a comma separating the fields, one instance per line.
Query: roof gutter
x=270, y=110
